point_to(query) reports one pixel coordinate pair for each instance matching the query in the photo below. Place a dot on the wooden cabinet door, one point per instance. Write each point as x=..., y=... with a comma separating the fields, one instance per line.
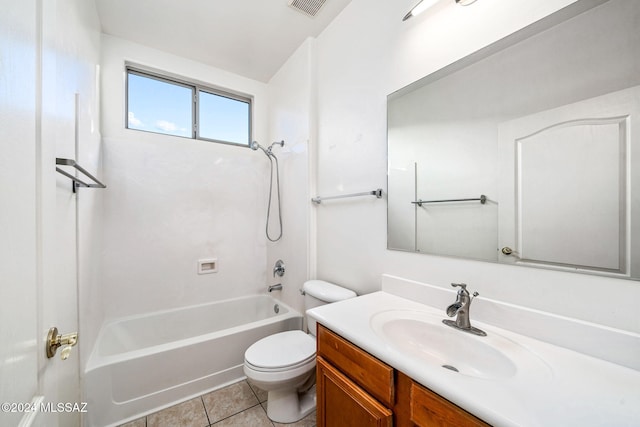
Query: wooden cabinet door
x=341, y=403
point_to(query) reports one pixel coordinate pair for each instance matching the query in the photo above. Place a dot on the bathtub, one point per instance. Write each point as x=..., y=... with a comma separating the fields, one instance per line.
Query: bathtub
x=141, y=364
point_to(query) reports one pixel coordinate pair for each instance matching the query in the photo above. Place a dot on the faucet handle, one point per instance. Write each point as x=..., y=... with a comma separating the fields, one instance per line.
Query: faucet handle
x=460, y=285
x=278, y=268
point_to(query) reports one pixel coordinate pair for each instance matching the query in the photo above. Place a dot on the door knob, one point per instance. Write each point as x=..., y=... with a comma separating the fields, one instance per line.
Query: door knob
x=55, y=341
x=511, y=252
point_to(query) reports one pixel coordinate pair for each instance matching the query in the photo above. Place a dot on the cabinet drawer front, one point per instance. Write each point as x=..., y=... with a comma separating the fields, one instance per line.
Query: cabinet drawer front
x=430, y=409
x=342, y=403
x=365, y=370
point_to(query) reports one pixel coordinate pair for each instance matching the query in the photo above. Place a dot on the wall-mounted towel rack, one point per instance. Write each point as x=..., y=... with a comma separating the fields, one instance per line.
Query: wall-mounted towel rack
x=377, y=193
x=77, y=182
x=482, y=199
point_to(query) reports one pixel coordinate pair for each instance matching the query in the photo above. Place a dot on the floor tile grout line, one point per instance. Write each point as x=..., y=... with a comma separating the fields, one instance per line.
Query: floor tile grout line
x=206, y=413
x=234, y=414
x=253, y=391
x=265, y=413
x=261, y=403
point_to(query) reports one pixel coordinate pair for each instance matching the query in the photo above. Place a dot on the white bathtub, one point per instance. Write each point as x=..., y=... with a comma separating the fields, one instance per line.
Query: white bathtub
x=144, y=363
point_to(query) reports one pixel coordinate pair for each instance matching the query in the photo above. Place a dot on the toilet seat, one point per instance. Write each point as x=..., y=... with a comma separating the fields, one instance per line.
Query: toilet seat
x=281, y=352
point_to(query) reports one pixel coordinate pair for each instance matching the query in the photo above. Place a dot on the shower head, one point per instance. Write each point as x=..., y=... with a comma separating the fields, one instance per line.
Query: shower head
x=280, y=143
x=255, y=145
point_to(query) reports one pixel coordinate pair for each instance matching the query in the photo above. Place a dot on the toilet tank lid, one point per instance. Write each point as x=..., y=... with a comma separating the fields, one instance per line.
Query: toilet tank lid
x=326, y=291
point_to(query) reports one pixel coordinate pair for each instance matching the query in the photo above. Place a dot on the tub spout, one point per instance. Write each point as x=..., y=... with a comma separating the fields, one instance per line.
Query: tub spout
x=277, y=287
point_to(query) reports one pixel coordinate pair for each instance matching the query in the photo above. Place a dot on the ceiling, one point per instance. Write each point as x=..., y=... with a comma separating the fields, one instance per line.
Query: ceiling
x=252, y=38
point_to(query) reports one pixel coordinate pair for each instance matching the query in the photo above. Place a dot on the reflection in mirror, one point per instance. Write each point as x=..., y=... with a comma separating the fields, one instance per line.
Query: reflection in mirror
x=543, y=127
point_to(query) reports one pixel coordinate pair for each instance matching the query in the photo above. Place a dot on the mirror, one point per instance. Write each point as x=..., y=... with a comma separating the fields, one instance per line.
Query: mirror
x=528, y=151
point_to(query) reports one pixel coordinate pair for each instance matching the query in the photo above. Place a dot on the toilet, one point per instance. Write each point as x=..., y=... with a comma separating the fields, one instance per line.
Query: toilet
x=284, y=364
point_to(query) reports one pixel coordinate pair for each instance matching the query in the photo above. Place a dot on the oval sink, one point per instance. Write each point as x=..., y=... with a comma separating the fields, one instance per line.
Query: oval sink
x=423, y=336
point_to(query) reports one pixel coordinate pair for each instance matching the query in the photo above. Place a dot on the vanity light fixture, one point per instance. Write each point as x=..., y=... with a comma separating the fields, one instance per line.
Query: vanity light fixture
x=426, y=4
x=419, y=8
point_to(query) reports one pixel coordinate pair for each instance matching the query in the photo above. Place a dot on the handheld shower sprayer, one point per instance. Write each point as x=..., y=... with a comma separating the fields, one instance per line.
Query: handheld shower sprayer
x=269, y=153
x=254, y=146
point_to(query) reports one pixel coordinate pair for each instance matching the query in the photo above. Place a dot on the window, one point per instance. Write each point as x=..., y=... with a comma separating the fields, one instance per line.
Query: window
x=222, y=118
x=158, y=105
x=164, y=105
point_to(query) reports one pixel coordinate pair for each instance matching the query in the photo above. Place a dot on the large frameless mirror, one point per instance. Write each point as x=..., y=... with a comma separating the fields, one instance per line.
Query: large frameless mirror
x=527, y=152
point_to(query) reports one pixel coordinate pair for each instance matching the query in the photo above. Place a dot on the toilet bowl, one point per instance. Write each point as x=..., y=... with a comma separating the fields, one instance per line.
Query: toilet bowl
x=284, y=364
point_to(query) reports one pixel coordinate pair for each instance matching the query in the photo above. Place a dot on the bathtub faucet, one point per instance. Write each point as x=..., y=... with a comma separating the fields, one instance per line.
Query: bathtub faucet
x=277, y=287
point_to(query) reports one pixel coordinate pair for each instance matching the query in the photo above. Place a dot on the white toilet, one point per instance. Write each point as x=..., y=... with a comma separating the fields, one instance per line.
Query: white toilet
x=284, y=364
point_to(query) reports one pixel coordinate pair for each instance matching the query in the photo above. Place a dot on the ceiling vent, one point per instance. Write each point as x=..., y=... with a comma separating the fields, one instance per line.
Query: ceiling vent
x=308, y=7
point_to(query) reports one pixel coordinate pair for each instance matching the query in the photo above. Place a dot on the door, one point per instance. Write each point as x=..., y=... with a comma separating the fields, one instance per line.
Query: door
x=565, y=185
x=18, y=251
x=38, y=287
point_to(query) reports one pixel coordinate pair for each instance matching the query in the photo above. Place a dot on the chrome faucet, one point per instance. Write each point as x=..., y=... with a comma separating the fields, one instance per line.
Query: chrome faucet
x=277, y=287
x=460, y=308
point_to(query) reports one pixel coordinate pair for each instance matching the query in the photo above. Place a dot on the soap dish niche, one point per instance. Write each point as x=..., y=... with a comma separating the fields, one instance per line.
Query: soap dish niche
x=208, y=266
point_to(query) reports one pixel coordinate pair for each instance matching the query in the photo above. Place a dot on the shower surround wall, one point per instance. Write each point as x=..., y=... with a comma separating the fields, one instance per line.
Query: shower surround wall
x=291, y=117
x=172, y=201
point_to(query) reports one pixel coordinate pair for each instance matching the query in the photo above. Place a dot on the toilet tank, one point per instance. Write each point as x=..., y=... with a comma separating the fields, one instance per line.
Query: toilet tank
x=319, y=292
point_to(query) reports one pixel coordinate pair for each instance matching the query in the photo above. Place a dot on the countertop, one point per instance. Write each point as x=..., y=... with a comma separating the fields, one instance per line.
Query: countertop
x=574, y=389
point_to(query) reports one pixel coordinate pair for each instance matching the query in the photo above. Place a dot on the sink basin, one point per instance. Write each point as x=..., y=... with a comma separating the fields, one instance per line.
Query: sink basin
x=423, y=336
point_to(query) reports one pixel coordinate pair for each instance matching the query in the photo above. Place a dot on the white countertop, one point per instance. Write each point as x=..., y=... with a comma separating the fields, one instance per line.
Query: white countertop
x=575, y=390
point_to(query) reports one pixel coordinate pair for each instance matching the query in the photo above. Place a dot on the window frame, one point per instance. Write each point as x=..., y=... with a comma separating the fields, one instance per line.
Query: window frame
x=196, y=89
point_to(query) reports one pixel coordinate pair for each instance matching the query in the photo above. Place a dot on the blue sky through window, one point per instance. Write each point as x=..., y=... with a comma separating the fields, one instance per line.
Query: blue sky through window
x=223, y=119
x=159, y=106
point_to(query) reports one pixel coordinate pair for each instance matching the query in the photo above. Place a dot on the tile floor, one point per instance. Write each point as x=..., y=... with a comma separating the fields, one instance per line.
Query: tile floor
x=239, y=404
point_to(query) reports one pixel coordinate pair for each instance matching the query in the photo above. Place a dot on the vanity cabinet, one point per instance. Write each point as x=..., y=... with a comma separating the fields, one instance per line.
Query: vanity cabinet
x=356, y=389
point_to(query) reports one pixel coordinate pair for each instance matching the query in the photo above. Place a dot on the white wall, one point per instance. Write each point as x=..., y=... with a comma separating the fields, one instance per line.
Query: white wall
x=291, y=118
x=172, y=201
x=364, y=55
x=89, y=154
